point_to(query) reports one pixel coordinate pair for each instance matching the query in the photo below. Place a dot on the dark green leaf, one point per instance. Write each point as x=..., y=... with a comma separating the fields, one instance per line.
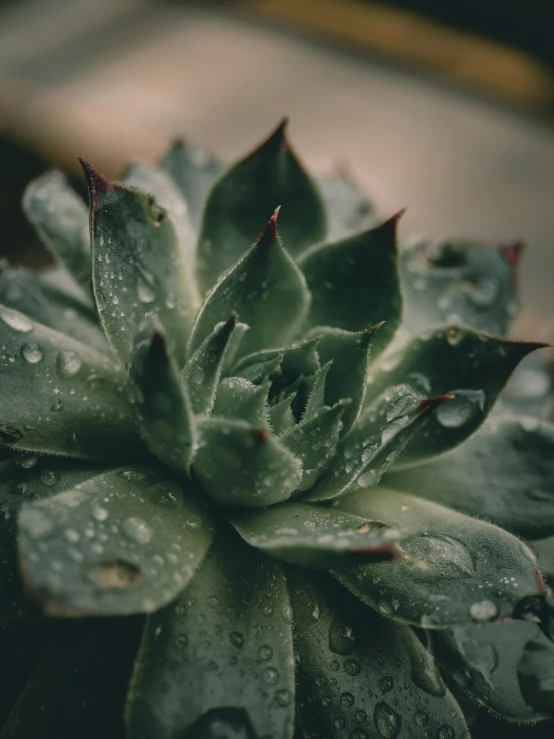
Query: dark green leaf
x=22, y=479
x=240, y=399
x=316, y=396
x=375, y=442
x=60, y=396
x=139, y=266
x=314, y=441
x=471, y=366
x=348, y=210
x=504, y=474
x=451, y=569
x=203, y=370
x=347, y=375
x=314, y=536
x=126, y=541
x=160, y=401
x=224, y=645
x=299, y=359
x=359, y=676
x=59, y=217
x=460, y=283
x=31, y=294
x=354, y=283
x=264, y=289
x=242, y=466
x=78, y=686
x=244, y=198
x=281, y=417
x=535, y=673
x=194, y=171
x=484, y=661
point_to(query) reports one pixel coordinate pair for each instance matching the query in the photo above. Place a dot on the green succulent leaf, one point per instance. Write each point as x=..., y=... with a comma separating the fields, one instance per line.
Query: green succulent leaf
x=530, y=390
x=281, y=417
x=314, y=441
x=298, y=359
x=126, y=541
x=376, y=440
x=504, y=474
x=348, y=210
x=457, y=282
x=240, y=398
x=491, y=663
x=203, y=370
x=224, y=645
x=60, y=219
x=240, y=465
x=160, y=401
x=346, y=377
x=76, y=688
x=354, y=283
x=362, y=676
x=194, y=171
x=139, y=266
x=243, y=199
x=470, y=366
x=23, y=479
x=75, y=400
x=451, y=569
x=29, y=293
x=264, y=289
x=314, y=536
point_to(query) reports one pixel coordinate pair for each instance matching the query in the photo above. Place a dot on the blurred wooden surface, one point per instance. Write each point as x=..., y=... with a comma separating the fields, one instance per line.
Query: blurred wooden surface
x=117, y=79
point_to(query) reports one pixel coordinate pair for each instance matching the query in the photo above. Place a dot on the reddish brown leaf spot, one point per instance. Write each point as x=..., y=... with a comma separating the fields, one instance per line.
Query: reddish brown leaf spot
x=260, y=436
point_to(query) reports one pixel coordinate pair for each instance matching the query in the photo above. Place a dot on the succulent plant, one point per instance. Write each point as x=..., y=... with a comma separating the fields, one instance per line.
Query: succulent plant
x=280, y=462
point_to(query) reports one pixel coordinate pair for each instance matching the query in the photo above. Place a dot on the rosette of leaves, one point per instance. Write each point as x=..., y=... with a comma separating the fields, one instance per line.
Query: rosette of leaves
x=304, y=514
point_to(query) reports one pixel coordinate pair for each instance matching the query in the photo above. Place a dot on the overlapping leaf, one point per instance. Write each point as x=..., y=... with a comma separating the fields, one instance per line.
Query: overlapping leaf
x=504, y=474
x=348, y=210
x=219, y=655
x=241, y=202
x=451, y=569
x=361, y=676
x=74, y=403
x=126, y=541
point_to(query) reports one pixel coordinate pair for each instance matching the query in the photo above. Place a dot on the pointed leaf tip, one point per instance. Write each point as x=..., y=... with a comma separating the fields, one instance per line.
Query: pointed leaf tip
x=512, y=252
x=97, y=183
x=429, y=404
x=392, y=222
x=158, y=345
x=378, y=553
x=260, y=436
x=269, y=235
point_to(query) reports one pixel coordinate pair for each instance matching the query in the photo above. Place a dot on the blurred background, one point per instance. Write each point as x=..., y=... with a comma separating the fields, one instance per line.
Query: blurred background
x=447, y=108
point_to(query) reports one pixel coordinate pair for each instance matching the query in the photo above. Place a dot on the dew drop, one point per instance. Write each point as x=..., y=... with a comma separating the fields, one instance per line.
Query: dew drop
x=271, y=676
x=167, y=494
x=68, y=364
x=181, y=640
x=387, y=721
x=421, y=718
x=36, y=522
x=137, y=530
x=236, y=639
x=26, y=462
x=282, y=698
x=146, y=293
x=386, y=683
x=49, y=478
x=484, y=610
x=56, y=406
x=32, y=352
x=463, y=406
x=358, y=733
x=351, y=667
x=361, y=716
x=341, y=638
x=347, y=700
x=115, y=574
x=16, y=320
x=99, y=513
x=446, y=732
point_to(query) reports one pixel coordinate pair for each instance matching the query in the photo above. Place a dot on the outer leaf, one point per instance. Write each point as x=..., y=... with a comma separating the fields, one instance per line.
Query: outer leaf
x=194, y=171
x=484, y=661
x=244, y=198
x=22, y=479
x=264, y=289
x=30, y=294
x=530, y=390
x=314, y=441
x=313, y=536
x=452, y=569
x=281, y=417
x=74, y=398
x=139, y=267
x=221, y=651
x=375, y=442
x=505, y=474
x=242, y=466
x=59, y=217
x=348, y=210
x=361, y=676
x=77, y=687
x=354, y=283
x=459, y=282
x=299, y=359
x=126, y=541
x=161, y=405
x=347, y=375
x=472, y=367
x=167, y=195
x=203, y=370
x=238, y=398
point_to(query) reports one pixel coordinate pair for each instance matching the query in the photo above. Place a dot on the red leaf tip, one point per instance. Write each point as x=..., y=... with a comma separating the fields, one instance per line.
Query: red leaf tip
x=429, y=404
x=512, y=252
x=260, y=436
x=158, y=345
x=97, y=184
